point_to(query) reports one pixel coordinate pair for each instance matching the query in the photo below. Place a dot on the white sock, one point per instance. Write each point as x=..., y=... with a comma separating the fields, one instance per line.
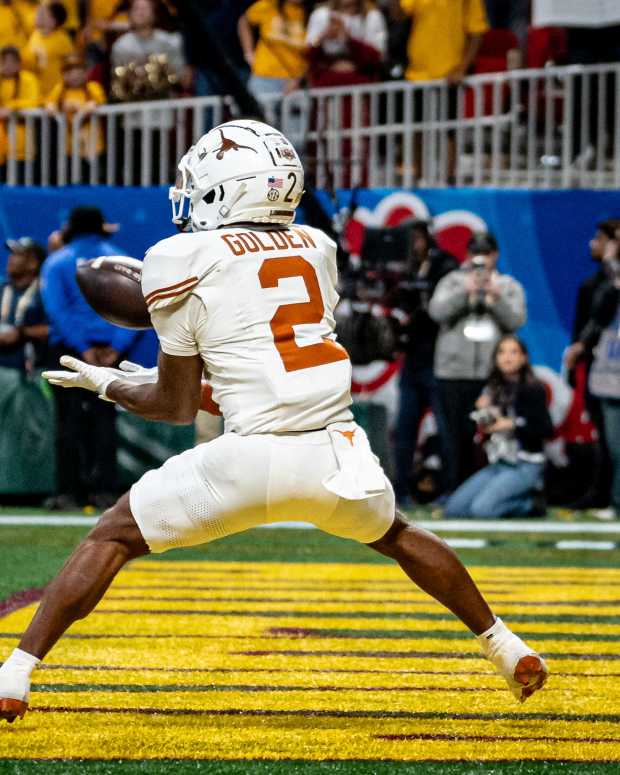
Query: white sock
x=486, y=638
x=497, y=639
x=15, y=675
x=22, y=661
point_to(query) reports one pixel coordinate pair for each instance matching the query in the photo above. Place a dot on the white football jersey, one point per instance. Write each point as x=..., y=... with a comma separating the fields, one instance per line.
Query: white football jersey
x=258, y=305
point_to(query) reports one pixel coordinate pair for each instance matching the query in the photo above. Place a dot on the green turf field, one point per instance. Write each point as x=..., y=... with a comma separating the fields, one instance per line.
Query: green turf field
x=296, y=702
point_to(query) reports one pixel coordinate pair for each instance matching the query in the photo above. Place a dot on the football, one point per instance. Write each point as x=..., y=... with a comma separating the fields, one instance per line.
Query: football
x=111, y=285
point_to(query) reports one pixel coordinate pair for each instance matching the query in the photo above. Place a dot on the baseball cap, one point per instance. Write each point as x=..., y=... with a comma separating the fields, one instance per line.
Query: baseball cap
x=87, y=220
x=27, y=245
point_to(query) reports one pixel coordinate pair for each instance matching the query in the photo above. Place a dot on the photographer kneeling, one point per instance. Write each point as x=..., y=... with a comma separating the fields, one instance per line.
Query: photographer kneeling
x=512, y=413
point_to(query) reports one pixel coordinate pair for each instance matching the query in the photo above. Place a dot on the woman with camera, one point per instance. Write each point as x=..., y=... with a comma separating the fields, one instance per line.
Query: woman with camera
x=512, y=414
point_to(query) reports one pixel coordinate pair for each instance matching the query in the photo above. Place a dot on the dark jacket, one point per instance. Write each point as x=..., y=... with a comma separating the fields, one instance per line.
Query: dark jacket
x=585, y=298
x=527, y=405
x=534, y=424
x=413, y=296
x=603, y=307
x=14, y=313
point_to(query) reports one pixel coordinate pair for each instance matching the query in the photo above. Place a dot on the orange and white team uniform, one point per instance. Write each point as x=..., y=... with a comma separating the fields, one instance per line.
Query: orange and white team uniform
x=257, y=303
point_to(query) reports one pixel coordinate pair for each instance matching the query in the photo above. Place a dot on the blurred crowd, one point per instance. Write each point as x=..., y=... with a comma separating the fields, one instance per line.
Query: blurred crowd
x=454, y=328
x=72, y=56
x=44, y=315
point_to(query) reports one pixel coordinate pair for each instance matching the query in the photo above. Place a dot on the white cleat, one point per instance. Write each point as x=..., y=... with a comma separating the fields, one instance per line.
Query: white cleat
x=523, y=669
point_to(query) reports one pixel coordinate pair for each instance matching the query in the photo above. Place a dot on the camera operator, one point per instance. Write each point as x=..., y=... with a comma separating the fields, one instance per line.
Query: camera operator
x=473, y=306
x=512, y=414
x=418, y=389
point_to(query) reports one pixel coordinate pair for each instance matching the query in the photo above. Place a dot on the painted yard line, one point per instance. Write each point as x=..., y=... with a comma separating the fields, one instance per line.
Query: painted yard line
x=467, y=543
x=412, y=599
x=58, y=521
x=408, y=654
x=603, y=546
x=518, y=526
x=226, y=670
x=320, y=713
x=438, y=526
x=367, y=614
x=189, y=688
x=413, y=635
x=498, y=738
x=499, y=587
x=297, y=671
x=351, y=634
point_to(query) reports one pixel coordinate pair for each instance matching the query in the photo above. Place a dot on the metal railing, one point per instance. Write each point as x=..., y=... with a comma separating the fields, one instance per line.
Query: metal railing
x=558, y=127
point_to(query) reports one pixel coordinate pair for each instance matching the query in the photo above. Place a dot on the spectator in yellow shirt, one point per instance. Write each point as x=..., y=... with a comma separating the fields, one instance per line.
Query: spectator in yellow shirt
x=48, y=45
x=72, y=22
x=19, y=90
x=278, y=61
x=26, y=10
x=75, y=94
x=445, y=37
x=11, y=30
x=443, y=43
x=103, y=19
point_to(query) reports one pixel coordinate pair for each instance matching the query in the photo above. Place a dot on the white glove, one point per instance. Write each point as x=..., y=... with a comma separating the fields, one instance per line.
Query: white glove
x=83, y=375
x=136, y=374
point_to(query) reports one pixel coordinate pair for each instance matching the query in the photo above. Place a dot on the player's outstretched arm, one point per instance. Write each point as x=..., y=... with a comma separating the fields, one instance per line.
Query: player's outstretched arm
x=174, y=398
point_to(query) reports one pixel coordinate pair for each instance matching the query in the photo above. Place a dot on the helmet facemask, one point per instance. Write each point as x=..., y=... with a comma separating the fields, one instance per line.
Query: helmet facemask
x=182, y=194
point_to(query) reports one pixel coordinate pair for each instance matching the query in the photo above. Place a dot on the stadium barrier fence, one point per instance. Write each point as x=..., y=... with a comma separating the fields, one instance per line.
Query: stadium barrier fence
x=556, y=127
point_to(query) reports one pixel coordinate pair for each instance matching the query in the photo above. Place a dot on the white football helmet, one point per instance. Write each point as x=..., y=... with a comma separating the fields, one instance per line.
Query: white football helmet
x=239, y=171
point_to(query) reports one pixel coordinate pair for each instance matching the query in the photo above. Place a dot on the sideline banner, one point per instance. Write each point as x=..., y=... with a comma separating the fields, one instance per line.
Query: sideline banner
x=543, y=235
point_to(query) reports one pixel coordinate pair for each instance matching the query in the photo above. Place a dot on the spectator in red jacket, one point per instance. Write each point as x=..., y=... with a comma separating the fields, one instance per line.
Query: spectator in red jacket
x=347, y=41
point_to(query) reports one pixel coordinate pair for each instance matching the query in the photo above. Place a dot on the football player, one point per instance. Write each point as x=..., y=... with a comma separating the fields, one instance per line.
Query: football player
x=248, y=298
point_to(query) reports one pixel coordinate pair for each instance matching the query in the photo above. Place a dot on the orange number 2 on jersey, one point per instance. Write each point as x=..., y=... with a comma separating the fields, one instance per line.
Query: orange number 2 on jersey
x=293, y=356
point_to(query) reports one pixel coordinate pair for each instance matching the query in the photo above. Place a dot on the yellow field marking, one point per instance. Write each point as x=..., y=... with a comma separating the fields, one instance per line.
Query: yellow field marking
x=231, y=686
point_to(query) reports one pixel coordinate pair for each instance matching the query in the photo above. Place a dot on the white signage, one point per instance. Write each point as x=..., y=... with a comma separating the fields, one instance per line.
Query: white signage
x=575, y=13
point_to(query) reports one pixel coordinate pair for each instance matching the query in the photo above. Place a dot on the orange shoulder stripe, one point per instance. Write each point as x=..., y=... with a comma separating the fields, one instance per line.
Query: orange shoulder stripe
x=158, y=291
x=170, y=294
